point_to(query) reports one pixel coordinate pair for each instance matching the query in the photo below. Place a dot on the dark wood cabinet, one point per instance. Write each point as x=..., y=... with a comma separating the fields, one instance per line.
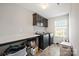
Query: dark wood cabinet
x=35, y=17
x=45, y=22
x=39, y=20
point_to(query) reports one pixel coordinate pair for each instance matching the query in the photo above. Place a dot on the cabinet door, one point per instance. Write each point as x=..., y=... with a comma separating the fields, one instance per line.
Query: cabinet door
x=45, y=22
x=35, y=19
x=38, y=18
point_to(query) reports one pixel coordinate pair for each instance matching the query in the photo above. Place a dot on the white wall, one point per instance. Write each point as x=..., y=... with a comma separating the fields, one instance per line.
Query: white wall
x=51, y=27
x=74, y=28
x=14, y=20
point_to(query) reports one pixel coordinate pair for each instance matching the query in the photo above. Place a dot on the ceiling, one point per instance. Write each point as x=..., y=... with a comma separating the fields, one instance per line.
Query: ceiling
x=52, y=10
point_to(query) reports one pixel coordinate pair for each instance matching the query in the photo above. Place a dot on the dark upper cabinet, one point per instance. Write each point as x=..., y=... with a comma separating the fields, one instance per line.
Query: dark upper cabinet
x=39, y=20
x=35, y=17
x=45, y=22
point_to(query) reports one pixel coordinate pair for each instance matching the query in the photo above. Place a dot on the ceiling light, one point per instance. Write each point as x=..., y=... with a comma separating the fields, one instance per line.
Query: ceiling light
x=44, y=5
x=58, y=3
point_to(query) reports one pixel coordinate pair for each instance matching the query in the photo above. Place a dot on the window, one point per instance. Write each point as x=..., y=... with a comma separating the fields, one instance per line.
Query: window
x=61, y=28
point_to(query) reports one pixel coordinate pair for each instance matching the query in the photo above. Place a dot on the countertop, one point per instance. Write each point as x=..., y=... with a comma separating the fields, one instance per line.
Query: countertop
x=17, y=37
x=66, y=43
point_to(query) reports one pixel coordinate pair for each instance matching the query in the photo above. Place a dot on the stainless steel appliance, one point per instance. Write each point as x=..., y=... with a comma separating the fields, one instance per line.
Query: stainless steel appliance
x=51, y=36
